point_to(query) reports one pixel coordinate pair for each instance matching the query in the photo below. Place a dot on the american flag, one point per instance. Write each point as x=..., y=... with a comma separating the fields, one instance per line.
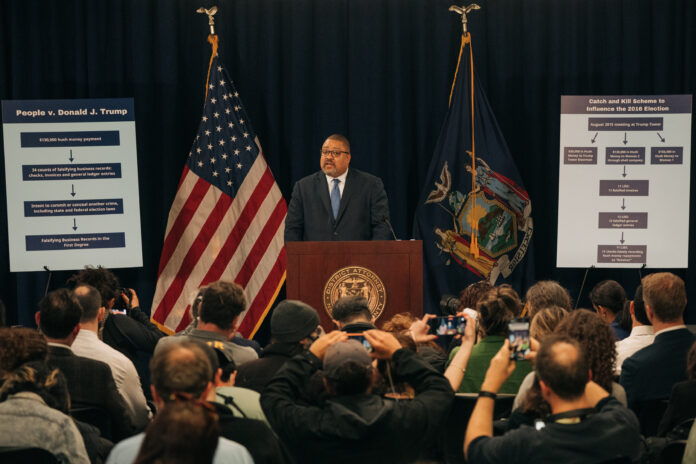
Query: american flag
x=228, y=217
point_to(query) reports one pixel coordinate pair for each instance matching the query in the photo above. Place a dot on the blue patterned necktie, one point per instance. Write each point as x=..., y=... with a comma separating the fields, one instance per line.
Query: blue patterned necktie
x=335, y=198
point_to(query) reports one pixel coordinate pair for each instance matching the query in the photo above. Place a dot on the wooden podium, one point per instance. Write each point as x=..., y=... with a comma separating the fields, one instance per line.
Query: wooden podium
x=388, y=273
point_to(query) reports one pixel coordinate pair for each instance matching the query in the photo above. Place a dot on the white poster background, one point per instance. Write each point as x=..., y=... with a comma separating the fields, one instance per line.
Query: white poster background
x=19, y=191
x=667, y=204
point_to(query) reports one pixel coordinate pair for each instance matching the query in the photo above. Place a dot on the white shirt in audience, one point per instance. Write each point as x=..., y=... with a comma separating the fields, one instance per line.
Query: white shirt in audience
x=88, y=345
x=640, y=337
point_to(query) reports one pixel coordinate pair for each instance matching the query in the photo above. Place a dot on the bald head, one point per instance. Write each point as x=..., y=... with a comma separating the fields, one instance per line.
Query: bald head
x=90, y=299
x=562, y=366
x=181, y=367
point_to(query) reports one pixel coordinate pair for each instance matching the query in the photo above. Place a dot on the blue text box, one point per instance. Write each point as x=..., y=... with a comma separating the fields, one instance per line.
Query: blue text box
x=75, y=241
x=73, y=207
x=71, y=171
x=70, y=139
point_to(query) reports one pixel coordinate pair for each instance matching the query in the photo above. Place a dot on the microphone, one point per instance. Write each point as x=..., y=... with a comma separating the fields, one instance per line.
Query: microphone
x=385, y=219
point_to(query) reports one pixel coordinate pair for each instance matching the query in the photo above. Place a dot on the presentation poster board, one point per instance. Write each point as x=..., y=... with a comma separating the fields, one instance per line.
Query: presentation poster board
x=625, y=164
x=71, y=183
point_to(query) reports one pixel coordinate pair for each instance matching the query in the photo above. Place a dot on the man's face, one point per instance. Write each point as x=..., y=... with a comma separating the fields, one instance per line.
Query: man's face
x=335, y=157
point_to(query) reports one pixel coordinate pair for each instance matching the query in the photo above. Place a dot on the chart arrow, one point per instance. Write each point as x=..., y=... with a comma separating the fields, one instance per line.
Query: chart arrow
x=74, y=226
x=623, y=203
x=625, y=140
x=71, y=157
x=624, y=173
x=622, y=240
x=595, y=137
x=73, y=190
x=662, y=139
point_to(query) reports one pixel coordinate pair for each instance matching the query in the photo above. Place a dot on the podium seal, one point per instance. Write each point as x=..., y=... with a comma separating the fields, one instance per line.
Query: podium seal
x=355, y=281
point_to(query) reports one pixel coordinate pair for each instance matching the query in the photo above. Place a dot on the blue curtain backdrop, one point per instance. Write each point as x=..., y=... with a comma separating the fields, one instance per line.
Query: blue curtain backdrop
x=378, y=71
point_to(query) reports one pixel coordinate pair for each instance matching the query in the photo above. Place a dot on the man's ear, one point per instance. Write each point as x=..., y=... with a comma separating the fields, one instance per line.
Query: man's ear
x=650, y=313
x=545, y=390
x=155, y=397
x=100, y=314
x=632, y=309
x=76, y=330
x=37, y=318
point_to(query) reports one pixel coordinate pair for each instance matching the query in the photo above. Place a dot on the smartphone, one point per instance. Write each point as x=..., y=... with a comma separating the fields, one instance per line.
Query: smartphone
x=361, y=338
x=519, y=338
x=448, y=325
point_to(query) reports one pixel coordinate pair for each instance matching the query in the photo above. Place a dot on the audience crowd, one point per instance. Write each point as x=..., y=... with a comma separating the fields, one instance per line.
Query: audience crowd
x=611, y=384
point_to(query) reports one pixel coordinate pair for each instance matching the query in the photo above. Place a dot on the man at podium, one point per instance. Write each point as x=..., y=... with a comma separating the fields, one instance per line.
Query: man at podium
x=337, y=203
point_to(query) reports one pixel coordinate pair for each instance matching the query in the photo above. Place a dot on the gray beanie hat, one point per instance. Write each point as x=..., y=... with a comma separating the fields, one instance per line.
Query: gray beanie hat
x=341, y=353
x=293, y=320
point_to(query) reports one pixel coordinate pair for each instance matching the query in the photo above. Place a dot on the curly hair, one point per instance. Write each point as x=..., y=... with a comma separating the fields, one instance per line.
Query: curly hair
x=597, y=341
x=399, y=323
x=20, y=345
x=470, y=296
x=100, y=278
x=37, y=377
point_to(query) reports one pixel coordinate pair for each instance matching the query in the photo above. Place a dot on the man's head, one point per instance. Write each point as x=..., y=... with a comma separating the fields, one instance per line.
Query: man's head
x=638, y=307
x=562, y=368
x=293, y=321
x=350, y=309
x=91, y=302
x=335, y=155
x=546, y=293
x=102, y=279
x=180, y=368
x=665, y=297
x=59, y=315
x=347, y=368
x=222, y=304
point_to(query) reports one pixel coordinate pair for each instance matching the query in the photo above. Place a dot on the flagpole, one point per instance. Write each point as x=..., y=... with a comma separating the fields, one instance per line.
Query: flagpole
x=466, y=39
x=213, y=39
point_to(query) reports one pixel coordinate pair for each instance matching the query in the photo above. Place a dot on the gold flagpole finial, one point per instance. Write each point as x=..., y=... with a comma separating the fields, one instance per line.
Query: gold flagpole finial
x=463, y=10
x=211, y=20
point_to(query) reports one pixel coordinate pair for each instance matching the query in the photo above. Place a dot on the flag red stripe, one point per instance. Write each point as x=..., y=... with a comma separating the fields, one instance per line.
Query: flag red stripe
x=256, y=253
x=182, y=220
x=264, y=296
x=192, y=256
x=185, y=320
x=240, y=227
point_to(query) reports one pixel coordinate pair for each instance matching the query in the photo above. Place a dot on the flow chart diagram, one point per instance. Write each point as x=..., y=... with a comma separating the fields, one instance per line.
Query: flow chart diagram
x=624, y=181
x=72, y=184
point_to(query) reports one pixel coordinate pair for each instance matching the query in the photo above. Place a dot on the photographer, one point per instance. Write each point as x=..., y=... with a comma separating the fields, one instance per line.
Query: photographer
x=126, y=327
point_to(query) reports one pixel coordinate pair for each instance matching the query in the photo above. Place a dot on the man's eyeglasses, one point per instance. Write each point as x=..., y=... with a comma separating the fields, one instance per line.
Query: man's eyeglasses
x=332, y=153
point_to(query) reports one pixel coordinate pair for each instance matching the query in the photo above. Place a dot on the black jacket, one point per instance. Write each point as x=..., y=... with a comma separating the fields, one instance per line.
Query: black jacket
x=91, y=384
x=256, y=374
x=362, y=215
x=358, y=428
x=652, y=372
x=253, y=434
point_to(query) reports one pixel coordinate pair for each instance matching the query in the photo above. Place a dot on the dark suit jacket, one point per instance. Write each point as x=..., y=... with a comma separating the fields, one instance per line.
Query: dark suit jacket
x=361, y=216
x=682, y=406
x=91, y=384
x=651, y=372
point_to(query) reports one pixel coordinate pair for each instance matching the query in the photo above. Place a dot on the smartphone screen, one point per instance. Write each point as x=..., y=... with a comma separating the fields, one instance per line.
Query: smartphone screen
x=519, y=338
x=361, y=338
x=448, y=325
